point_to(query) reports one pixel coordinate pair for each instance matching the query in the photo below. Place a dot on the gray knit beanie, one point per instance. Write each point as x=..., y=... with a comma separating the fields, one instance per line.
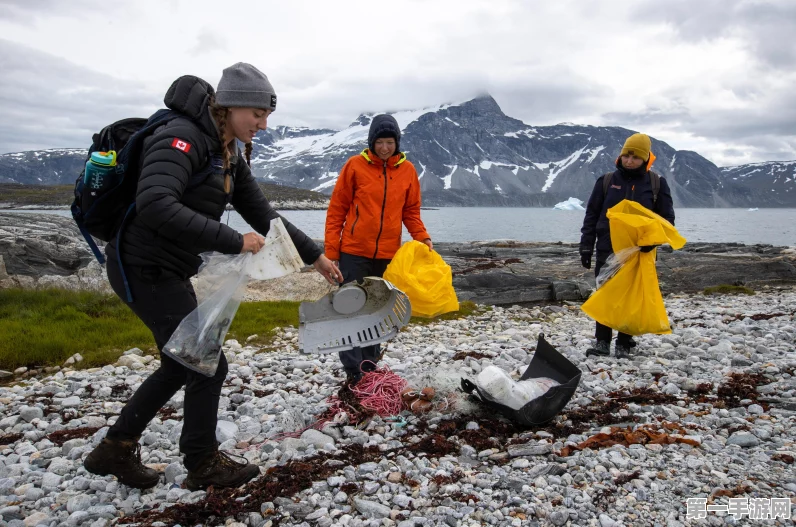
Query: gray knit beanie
x=243, y=85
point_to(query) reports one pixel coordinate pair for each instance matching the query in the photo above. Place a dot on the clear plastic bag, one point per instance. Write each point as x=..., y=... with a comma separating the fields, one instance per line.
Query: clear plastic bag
x=220, y=286
x=614, y=263
x=221, y=283
x=499, y=387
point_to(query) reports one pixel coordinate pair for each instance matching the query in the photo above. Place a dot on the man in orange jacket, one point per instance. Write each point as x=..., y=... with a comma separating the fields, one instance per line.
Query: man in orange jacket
x=376, y=191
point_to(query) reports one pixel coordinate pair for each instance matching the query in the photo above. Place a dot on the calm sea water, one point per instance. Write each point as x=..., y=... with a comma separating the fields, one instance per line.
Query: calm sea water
x=458, y=224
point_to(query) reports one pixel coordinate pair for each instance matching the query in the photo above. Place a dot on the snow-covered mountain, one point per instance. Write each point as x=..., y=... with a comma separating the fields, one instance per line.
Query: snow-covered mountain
x=770, y=184
x=472, y=153
x=58, y=166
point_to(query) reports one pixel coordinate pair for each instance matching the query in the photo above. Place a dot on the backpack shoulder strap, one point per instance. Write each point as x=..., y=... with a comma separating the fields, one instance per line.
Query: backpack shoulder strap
x=607, y=182
x=213, y=162
x=130, y=152
x=655, y=183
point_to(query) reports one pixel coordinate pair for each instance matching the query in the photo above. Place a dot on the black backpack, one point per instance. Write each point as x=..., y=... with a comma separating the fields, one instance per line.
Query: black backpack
x=103, y=212
x=655, y=182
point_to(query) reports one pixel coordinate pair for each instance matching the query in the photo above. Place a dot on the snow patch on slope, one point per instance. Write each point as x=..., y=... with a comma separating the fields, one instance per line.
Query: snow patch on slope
x=449, y=178
x=560, y=166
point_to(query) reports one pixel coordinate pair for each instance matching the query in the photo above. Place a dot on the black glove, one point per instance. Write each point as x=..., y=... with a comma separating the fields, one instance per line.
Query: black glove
x=647, y=248
x=585, y=259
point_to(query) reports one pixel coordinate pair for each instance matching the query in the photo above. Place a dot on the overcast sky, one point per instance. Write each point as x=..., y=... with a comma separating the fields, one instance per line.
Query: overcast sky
x=714, y=76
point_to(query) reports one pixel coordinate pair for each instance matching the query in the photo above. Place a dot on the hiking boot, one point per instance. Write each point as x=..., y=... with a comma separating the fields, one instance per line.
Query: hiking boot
x=602, y=348
x=352, y=378
x=121, y=459
x=220, y=470
x=631, y=343
x=621, y=350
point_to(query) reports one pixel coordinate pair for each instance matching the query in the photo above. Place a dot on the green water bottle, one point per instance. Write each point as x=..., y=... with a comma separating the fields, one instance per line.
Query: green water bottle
x=99, y=175
x=100, y=168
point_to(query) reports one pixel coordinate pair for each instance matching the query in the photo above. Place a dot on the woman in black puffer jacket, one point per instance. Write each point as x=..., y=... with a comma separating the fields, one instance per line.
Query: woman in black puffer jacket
x=177, y=218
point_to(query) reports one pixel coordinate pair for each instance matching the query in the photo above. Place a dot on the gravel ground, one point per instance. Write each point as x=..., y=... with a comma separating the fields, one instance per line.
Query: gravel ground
x=706, y=412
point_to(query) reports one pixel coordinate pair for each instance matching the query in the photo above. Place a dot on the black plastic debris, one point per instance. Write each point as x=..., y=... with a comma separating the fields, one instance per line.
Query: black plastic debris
x=546, y=362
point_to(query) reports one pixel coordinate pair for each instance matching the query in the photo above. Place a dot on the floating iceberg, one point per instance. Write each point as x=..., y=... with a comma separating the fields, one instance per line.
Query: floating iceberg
x=570, y=204
x=752, y=209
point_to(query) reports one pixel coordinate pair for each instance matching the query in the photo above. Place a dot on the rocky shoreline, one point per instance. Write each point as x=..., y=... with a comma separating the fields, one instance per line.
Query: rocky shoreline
x=48, y=251
x=508, y=272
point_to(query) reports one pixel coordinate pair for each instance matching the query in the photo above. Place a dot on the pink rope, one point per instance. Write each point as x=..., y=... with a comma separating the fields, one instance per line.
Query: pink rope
x=380, y=391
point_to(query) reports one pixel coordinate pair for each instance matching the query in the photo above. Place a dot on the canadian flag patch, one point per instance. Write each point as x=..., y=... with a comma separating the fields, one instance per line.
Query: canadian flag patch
x=179, y=144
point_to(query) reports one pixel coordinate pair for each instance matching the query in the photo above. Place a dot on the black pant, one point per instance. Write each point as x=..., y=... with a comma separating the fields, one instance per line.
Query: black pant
x=604, y=332
x=356, y=268
x=161, y=301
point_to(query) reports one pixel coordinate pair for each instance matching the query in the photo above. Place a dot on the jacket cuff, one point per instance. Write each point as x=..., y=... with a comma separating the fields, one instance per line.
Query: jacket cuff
x=311, y=255
x=422, y=236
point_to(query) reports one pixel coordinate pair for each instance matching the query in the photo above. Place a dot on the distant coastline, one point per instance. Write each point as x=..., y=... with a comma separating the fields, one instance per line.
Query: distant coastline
x=276, y=204
x=60, y=197
x=13, y=206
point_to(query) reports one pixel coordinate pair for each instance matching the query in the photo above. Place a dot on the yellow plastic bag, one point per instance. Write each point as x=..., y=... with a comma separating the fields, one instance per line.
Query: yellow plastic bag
x=425, y=278
x=631, y=300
